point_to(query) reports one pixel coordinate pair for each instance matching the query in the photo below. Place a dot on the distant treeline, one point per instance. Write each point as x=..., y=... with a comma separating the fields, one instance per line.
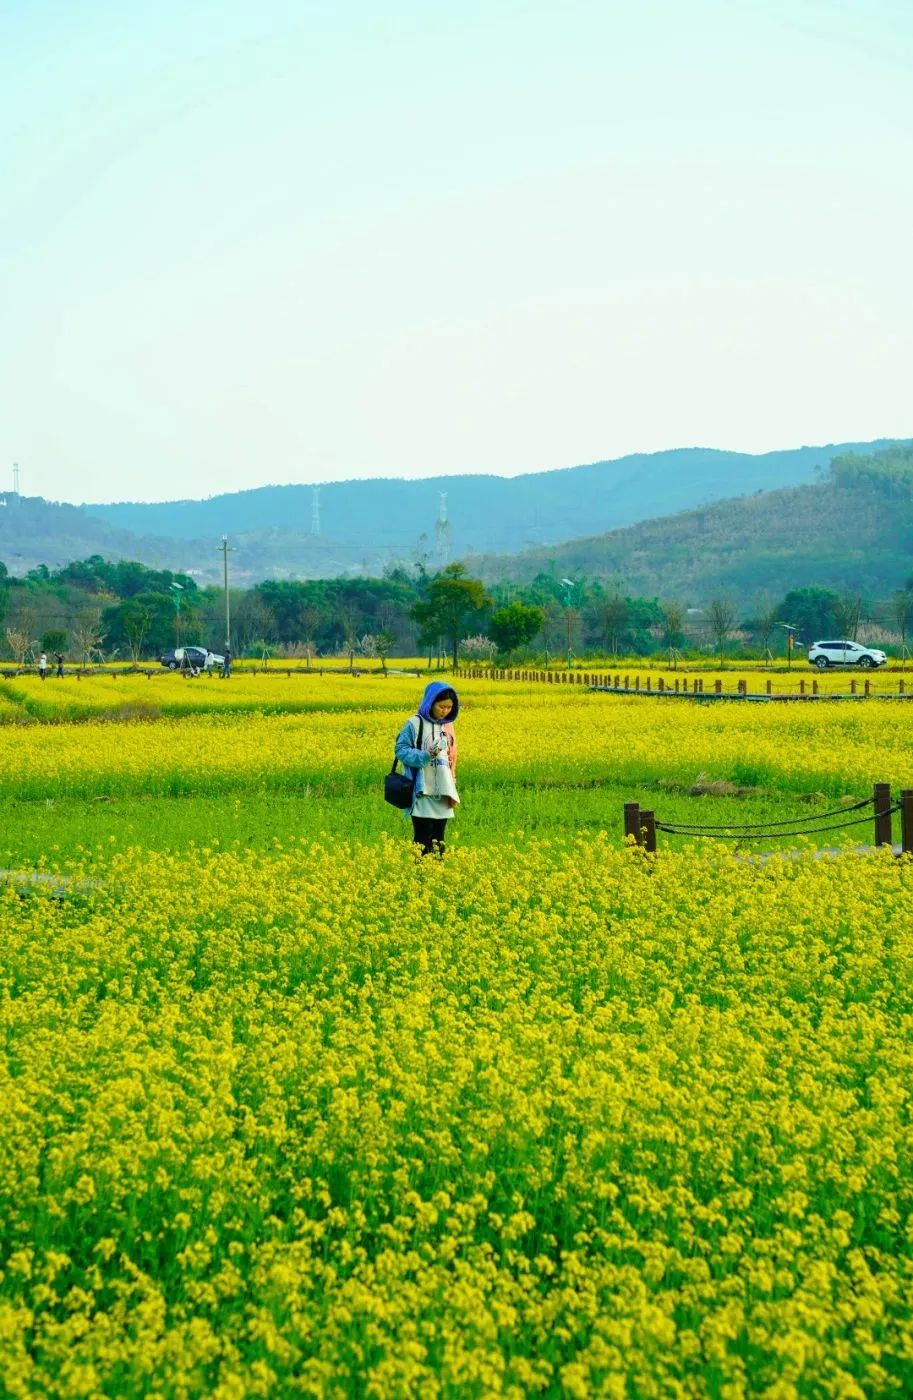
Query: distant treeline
x=95, y=608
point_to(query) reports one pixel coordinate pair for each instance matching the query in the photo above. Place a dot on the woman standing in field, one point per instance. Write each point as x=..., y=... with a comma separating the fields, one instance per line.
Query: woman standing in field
x=426, y=745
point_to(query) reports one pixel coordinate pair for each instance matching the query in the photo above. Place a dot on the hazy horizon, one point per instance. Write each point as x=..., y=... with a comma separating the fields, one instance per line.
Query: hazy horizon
x=321, y=242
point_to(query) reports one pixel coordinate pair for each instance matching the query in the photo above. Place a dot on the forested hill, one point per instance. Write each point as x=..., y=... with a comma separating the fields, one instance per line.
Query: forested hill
x=34, y=531
x=852, y=531
x=397, y=518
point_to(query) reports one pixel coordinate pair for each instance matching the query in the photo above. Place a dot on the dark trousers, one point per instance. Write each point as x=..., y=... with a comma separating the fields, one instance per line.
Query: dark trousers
x=429, y=833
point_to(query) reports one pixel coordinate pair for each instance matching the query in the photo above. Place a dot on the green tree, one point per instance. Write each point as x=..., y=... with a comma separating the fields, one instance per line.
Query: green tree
x=514, y=626
x=452, y=600
x=145, y=623
x=54, y=639
x=812, y=611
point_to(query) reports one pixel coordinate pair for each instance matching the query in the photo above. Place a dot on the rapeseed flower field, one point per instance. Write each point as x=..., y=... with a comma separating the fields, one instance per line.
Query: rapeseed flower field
x=310, y=1116
x=276, y=734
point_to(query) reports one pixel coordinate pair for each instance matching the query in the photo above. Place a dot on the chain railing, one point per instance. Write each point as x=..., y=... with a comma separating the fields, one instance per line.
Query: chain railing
x=641, y=824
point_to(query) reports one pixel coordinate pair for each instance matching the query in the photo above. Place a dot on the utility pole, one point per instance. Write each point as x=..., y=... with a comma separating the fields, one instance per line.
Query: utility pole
x=177, y=590
x=226, y=549
x=569, y=585
x=790, y=642
x=16, y=477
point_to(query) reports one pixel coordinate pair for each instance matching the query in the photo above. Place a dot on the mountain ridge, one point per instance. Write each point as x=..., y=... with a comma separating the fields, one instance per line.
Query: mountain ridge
x=852, y=531
x=486, y=513
x=568, y=504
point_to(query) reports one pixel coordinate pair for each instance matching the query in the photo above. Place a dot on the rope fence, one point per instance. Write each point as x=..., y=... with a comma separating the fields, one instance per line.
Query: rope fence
x=641, y=823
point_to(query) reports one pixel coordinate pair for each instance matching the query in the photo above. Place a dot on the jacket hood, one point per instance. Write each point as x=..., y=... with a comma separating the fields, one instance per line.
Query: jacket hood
x=434, y=691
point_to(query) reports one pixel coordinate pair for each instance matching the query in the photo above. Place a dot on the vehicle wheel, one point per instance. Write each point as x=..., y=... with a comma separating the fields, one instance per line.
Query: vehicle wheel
x=821, y=662
x=866, y=663
x=172, y=665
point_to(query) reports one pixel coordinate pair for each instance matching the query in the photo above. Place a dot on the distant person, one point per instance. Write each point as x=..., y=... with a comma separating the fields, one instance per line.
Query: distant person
x=226, y=665
x=58, y=657
x=426, y=746
x=43, y=665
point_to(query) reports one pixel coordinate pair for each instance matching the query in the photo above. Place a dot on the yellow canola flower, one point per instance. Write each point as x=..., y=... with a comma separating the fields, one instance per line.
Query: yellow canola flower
x=334, y=734
x=547, y=1117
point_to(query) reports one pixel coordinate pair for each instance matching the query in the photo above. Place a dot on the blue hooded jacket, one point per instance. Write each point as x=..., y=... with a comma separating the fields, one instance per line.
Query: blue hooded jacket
x=407, y=738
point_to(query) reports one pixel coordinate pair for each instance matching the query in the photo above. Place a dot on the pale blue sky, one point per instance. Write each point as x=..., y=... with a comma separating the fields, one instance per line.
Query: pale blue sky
x=273, y=242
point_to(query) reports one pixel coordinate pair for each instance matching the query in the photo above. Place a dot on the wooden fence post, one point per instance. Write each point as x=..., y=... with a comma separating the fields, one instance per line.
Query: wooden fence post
x=770, y=686
x=648, y=823
x=881, y=801
x=632, y=821
x=906, y=821
x=868, y=686
x=853, y=686
x=900, y=686
x=814, y=687
x=718, y=687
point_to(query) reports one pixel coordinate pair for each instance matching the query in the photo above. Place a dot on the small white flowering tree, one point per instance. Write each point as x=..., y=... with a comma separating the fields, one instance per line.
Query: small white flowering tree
x=478, y=648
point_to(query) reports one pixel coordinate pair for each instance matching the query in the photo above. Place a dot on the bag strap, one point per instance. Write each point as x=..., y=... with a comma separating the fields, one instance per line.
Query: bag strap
x=421, y=733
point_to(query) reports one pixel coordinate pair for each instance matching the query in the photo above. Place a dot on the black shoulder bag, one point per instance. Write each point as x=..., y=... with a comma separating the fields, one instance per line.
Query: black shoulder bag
x=399, y=787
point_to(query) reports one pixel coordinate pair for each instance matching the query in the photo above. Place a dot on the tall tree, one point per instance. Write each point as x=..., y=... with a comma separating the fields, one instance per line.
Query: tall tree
x=611, y=613
x=673, y=623
x=452, y=600
x=88, y=634
x=349, y=619
x=514, y=626
x=902, y=611
x=721, y=619
x=136, y=621
x=767, y=618
x=812, y=611
x=847, y=612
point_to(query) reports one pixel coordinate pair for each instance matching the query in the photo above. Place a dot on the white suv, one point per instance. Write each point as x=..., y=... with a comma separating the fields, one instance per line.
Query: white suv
x=824, y=654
